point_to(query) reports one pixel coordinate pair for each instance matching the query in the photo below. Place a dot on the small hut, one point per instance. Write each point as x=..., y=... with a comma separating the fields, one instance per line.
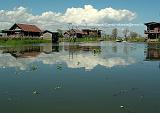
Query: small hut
x=50, y=35
x=47, y=35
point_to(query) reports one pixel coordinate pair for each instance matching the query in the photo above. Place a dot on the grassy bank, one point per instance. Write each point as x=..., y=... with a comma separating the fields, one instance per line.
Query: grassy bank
x=22, y=42
x=85, y=39
x=89, y=39
x=137, y=39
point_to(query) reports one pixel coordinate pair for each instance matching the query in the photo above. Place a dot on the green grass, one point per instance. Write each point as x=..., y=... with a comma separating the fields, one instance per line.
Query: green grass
x=84, y=39
x=137, y=39
x=22, y=42
x=95, y=39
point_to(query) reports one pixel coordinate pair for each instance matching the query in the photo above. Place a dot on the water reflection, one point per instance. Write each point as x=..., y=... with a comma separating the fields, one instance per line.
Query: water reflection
x=74, y=55
x=55, y=77
x=153, y=52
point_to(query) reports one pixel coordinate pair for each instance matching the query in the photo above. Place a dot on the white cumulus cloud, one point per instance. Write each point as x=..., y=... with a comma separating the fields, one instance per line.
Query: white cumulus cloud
x=51, y=19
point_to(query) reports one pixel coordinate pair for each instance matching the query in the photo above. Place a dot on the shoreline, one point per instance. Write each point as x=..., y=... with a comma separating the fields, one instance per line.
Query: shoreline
x=90, y=40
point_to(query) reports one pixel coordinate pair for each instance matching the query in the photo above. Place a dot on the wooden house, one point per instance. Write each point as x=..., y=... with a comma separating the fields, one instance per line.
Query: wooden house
x=153, y=30
x=92, y=32
x=20, y=30
x=82, y=33
x=75, y=33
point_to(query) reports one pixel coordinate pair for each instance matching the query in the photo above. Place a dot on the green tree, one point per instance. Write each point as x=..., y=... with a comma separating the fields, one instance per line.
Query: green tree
x=60, y=33
x=133, y=34
x=114, y=33
x=125, y=33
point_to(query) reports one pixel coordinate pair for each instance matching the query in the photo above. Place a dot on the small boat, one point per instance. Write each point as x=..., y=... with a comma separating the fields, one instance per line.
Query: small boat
x=118, y=40
x=101, y=40
x=124, y=41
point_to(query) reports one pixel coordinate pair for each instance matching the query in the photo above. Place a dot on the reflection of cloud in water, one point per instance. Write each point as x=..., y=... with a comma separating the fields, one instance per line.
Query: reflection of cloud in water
x=8, y=61
x=88, y=61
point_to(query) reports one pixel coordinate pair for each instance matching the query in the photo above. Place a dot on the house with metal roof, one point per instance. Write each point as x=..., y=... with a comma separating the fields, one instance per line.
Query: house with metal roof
x=20, y=30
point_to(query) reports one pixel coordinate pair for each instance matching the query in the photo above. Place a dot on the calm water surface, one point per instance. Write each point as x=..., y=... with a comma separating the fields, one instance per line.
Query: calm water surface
x=102, y=77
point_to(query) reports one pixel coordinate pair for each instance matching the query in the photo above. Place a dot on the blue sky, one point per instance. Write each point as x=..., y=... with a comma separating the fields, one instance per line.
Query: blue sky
x=145, y=10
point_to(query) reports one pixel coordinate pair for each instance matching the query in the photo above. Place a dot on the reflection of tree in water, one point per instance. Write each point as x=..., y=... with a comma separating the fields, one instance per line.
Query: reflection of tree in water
x=114, y=49
x=55, y=47
x=125, y=49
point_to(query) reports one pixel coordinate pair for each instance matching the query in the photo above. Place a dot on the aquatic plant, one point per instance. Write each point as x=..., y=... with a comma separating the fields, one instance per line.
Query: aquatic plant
x=35, y=92
x=33, y=68
x=59, y=67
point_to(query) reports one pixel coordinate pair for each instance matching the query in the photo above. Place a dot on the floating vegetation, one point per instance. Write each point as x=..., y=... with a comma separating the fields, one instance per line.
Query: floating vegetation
x=141, y=98
x=17, y=72
x=33, y=67
x=78, y=63
x=96, y=51
x=134, y=89
x=126, y=109
x=59, y=67
x=9, y=99
x=121, y=92
x=121, y=106
x=35, y=92
x=124, y=92
x=59, y=86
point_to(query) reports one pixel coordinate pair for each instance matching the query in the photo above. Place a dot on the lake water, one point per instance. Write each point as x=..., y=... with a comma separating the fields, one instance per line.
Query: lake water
x=102, y=77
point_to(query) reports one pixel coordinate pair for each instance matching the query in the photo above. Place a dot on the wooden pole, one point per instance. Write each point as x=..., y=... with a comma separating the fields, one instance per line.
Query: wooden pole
x=156, y=35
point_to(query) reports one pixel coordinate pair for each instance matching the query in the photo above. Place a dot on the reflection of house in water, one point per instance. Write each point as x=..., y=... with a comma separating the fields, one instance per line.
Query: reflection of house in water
x=153, y=52
x=52, y=47
x=30, y=51
x=77, y=48
x=74, y=49
x=23, y=52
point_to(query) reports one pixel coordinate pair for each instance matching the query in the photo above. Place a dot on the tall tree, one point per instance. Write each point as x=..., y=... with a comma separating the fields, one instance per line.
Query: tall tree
x=125, y=33
x=114, y=33
x=60, y=33
x=133, y=34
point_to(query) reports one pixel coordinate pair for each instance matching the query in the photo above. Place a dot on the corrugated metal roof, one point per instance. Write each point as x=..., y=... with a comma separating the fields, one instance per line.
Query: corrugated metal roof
x=72, y=31
x=29, y=28
x=151, y=23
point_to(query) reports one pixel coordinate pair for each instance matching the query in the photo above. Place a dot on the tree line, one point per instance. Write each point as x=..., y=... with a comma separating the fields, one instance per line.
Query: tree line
x=126, y=34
